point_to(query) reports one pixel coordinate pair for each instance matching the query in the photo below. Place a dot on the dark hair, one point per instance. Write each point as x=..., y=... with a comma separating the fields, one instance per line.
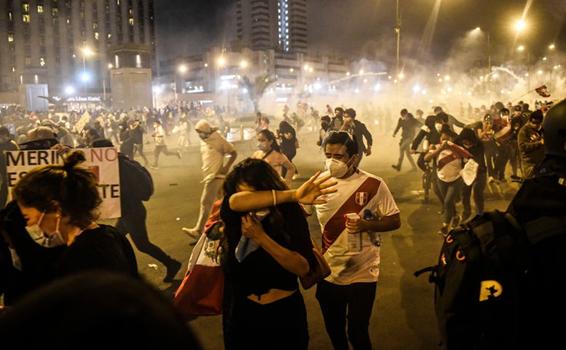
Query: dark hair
x=351, y=112
x=437, y=109
x=4, y=131
x=487, y=118
x=342, y=138
x=339, y=109
x=504, y=111
x=448, y=131
x=404, y=111
x=73, y=188
x=325, y=118
x=270, y=137
x=536, y=116
x=467, y=134
x=255, y=173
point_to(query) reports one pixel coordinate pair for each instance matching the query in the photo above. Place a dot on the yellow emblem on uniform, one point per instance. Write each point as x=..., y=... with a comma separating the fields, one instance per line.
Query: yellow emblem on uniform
x=490, y=289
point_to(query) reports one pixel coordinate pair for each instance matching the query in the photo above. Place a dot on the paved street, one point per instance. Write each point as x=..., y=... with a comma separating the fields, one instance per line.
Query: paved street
x=403, y=316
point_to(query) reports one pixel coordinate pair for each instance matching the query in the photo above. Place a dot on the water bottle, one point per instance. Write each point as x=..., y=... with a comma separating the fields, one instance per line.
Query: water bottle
x=354, y=239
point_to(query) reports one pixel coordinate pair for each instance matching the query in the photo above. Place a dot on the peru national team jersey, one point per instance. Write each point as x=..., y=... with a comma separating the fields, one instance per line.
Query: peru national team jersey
x=355, y=194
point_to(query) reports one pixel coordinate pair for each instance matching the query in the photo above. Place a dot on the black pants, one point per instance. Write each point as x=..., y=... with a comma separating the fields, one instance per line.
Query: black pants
x=279, y=325
x=353, y=303
x=133, y=222
x=478, y=187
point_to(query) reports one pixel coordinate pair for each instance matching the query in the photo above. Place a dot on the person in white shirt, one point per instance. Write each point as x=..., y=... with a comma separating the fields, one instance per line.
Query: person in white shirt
x=346, y=296
x=450, y=160
x=214, y=149
x=160, y=146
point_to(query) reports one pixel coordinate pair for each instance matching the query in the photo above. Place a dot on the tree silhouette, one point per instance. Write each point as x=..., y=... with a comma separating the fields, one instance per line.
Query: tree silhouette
x=257, y=88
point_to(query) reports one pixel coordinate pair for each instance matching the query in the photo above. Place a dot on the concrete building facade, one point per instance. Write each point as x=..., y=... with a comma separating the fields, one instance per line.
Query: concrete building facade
x=279, y=25
x=69, y=43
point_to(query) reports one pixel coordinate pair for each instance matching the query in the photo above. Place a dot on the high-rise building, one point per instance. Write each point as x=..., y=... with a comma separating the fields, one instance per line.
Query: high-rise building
x=65, y=43
x=279, y=25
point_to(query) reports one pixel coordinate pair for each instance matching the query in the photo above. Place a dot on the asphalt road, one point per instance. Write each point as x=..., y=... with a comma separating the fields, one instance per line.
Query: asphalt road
x=403, y=315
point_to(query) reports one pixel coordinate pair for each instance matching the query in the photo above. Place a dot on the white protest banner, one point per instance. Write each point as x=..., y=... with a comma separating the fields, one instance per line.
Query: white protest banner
x=102, y=162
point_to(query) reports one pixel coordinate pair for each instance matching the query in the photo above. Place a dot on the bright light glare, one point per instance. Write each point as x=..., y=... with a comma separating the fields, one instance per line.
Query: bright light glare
x=221, y=61
x=244, y=64
x=521, y=48
x=416, y=88
x=520, y=26
x=85, y=77
x=551, y=47
x=69, y=90
x=87, y=51
x=183, y=68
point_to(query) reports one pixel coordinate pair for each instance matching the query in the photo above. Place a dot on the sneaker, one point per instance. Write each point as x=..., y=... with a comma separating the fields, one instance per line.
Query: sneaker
x=191, y=232
x=398, y=168
x=443, y=230
x=172, y=268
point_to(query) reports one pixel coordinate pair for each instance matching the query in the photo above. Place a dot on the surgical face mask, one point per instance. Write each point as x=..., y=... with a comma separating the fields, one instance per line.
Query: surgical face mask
x=438, y=127
x=336, y=167
x=48, y=240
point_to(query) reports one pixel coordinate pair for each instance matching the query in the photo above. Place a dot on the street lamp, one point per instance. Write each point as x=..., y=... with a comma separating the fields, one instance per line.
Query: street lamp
x=551, y=47
x=221, y=61
x=520, y=26
x=521, y=48
x=244, y=64
x=182, y=68
x=86, y=52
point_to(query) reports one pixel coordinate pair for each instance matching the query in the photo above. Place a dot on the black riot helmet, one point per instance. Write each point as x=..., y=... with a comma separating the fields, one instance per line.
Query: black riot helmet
x=554, y=126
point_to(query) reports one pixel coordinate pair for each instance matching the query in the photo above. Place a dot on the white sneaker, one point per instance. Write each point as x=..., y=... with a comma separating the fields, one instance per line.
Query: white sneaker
x=191, y=232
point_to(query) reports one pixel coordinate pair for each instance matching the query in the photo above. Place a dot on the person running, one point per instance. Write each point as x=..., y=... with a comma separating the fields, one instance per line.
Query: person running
x=214, y=149
x=409, y=125
x=450, y=161
x=160, y=146
x=346, y=297
x=269, y=151
x=268, y=247
x=288, y=143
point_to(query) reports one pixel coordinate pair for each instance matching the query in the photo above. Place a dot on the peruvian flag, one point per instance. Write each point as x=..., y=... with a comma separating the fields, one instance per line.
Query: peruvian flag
x=543, y=91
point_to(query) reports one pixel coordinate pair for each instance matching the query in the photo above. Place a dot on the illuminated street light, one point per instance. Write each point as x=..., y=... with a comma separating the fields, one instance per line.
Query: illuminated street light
x=87, y=51
x=551, y=46
x=110, y=66
x=85, y=77
x=221, y=61
x=182, y=68
x=69, y=90
x=521, y=48
x=520, y=26
x=244, y=64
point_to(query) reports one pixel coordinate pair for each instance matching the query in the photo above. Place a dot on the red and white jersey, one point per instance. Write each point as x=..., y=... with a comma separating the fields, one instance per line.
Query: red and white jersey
x=354, y=194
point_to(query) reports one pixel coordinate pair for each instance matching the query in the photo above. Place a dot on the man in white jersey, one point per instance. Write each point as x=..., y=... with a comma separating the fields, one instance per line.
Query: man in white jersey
x=349, y=292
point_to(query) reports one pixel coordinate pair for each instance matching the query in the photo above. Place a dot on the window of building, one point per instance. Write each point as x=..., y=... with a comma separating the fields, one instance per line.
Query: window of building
x=10, y=16
x=131, y=21
x=54, y=12
x=28, y=61
x=10, y=38
x=116, y=61
x=42, y=61
x=39, y=8
x=25, y=18
x=96, y=35
x=13, y=69
x=25, y=7
x=138, y=61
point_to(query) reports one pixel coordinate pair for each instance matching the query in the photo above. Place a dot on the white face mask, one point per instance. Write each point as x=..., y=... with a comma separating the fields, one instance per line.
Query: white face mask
x=51, y=240
x=336, y=167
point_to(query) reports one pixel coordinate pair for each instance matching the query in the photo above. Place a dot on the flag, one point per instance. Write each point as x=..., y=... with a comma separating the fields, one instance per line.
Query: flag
x=543, y=91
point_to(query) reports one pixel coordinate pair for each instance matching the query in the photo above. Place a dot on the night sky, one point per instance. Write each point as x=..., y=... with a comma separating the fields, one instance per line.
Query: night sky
x=365, y=27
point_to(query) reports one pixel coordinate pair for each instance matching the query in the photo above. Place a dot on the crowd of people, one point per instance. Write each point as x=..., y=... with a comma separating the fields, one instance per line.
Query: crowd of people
x=49, y=230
